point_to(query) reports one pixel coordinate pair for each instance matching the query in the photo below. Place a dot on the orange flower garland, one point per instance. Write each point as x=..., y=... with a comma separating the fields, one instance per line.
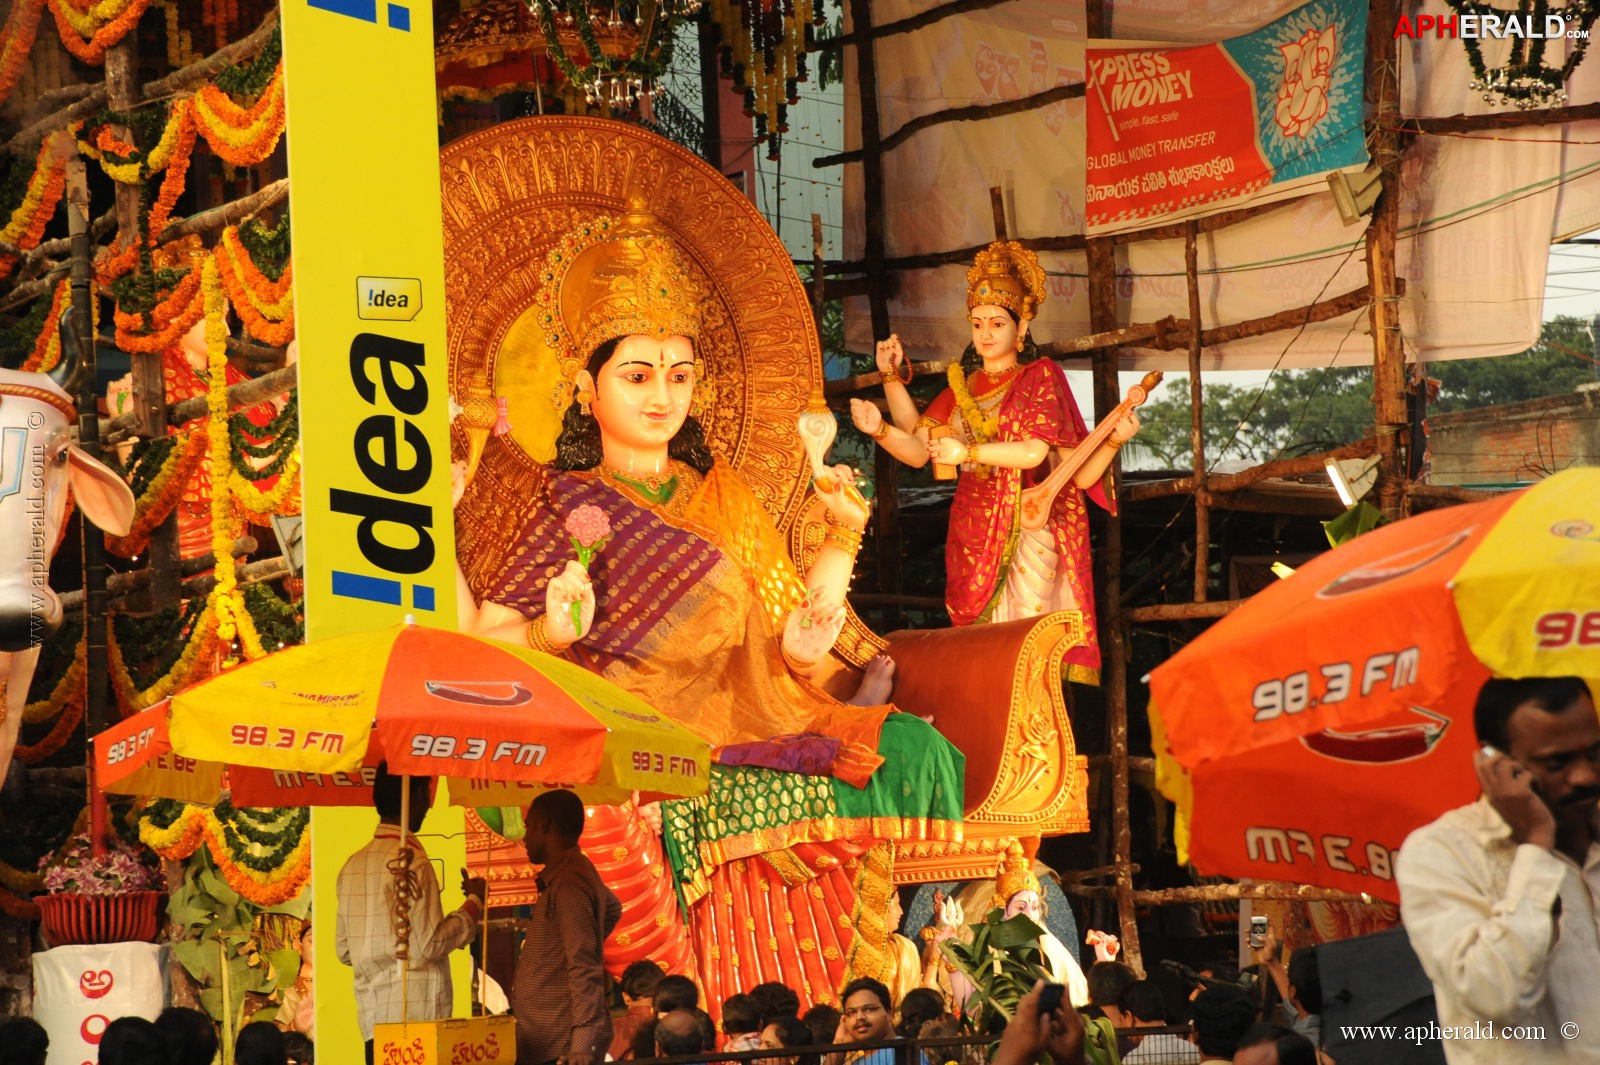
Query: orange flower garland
x=47, y=348
x=39, y=203
x=65, y=726
x=263, y=889
x=157, y=501
x=266, y=307
x=198, y=825
x=177, y=167
x=88, y=32
x=21, y=30
x=172, y=318
x=243, y=136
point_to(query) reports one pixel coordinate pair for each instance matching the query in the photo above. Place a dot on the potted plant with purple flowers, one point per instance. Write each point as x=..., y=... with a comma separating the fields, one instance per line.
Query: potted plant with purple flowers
x=105, y=897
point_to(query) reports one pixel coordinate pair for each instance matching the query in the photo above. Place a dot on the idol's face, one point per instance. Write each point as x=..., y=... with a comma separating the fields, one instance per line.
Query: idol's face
x=1027, y=902
x=643, y=392
x=994, y=332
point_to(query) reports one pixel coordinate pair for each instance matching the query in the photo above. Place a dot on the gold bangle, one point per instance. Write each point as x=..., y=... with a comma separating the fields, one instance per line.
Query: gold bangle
x=1114, y=444
x=882, y=433
x=972, y=455
x=538, y=636
x=843, y=537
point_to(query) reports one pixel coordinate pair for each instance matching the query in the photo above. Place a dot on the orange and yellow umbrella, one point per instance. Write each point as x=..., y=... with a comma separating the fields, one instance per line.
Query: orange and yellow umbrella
x=501, y=721
x=1308, y=732
x=135, y=757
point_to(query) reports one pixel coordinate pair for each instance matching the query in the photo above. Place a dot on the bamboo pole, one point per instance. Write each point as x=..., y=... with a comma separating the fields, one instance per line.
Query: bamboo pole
x=1232, y=482
x=871, y=168
x=969, y=113
x=1541, y=116
x=1388, y=356
x=1197, y=419
x=906, y=25
x=1215, y=608
x=244, y=394
x=1188, y=896
x=228, y=213
x=1114, y=679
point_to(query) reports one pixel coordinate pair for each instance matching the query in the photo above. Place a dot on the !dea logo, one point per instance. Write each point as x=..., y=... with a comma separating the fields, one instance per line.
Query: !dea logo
x=388, y=299
x=399, y=16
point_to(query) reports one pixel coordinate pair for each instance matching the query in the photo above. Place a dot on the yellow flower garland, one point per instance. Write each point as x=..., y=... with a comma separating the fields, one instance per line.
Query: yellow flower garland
x=983, y=427
x=70, y=685
x=86, y=23
x=44, y=188
x=278, y=498
x=132, y=698
x=232, y=617
x=198, y=825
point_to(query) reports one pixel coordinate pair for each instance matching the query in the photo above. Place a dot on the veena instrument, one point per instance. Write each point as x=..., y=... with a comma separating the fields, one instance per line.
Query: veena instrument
x=1037, y=501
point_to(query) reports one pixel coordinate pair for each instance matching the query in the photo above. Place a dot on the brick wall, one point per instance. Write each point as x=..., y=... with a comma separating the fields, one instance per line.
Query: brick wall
x=1518, y=441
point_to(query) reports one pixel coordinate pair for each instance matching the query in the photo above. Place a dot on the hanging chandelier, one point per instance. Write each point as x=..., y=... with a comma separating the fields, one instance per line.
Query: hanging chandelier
x=613, y=51
x=1525, y=81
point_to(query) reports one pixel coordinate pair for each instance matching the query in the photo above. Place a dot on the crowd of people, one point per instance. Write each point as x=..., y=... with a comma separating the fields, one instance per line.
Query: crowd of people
x=179, y=1036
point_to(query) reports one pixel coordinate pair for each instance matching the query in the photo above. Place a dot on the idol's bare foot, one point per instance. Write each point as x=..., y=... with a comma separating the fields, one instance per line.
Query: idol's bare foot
x=877, y=683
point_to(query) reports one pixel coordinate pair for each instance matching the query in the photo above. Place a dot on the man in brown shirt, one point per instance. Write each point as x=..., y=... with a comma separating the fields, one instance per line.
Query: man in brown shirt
x=559, y=991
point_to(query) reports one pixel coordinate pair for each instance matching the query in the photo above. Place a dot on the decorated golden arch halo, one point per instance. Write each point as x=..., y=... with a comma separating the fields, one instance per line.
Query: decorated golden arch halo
x=511, y=191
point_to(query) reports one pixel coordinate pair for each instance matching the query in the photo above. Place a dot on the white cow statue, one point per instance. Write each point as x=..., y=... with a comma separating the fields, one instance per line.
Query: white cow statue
x=37, y=463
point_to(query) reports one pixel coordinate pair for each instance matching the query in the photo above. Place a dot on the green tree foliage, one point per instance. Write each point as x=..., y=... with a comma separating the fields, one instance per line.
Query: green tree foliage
x=1306, y=411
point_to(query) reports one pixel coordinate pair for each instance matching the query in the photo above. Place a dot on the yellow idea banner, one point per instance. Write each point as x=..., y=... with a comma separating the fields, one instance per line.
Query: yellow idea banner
x=369, y=309
x=374, y=401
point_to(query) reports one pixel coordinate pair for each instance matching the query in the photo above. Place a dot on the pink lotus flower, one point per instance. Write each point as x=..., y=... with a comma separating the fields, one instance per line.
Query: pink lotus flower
x=588, y=528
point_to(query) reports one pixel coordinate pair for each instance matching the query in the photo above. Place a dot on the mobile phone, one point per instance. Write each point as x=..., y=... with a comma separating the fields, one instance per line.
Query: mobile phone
x=1050, y=999
x=1258, y=933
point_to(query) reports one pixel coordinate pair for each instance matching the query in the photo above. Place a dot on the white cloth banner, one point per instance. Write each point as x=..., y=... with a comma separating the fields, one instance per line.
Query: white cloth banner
x=79, y=990
x=1478, y=212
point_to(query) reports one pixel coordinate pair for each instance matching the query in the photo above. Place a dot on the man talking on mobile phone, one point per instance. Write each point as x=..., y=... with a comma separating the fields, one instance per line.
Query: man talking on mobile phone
x=1500, y=897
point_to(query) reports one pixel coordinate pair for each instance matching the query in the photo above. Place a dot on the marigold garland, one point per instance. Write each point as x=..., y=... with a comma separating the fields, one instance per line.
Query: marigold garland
x=16, y=907
x=170, y=318
x=176, y=166
x=983, y=427
x=161, y=495
x=65, y=726
x=266, y=859
x=47, y=348
x=174, y=830
x=27, y=223
x=88, y=34
x=14, y=879
x=70, y=685
x=243, y=136
x=21, y=29
x=111, y=265
x=266, y=307
x=232, y=617
x=197, y=651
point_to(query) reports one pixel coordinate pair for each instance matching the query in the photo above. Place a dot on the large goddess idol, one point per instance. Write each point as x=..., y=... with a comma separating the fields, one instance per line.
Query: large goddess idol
x=1006, y=419
x=691, y=602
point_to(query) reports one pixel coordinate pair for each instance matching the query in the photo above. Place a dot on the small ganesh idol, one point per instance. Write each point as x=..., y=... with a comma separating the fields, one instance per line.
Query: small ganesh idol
x=1007, y=419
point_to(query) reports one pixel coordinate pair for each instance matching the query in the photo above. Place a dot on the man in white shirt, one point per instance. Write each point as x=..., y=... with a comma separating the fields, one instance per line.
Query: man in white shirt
x=1499, y=897
x=365, y=925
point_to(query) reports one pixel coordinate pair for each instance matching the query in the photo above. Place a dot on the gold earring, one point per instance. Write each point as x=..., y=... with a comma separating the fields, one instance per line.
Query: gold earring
x=585, y=397
x=1020, y=338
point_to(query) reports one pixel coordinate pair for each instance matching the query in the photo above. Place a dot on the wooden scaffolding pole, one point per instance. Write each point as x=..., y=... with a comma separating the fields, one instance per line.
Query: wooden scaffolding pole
x=1197, y=419
x=1113, y=623
x=1388, y=353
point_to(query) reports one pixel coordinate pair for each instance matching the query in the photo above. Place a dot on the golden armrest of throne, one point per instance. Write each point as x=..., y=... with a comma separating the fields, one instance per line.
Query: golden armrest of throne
x=995, y=692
